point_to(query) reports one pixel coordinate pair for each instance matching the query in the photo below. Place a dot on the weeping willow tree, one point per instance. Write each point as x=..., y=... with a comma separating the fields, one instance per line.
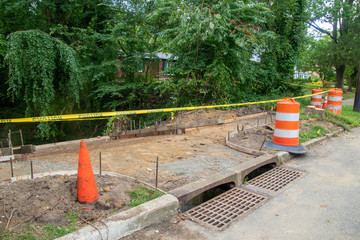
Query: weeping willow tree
x=44, y=72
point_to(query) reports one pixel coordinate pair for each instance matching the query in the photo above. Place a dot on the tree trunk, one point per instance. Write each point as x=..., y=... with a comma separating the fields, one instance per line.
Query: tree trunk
x=357, y=94
x=352, y=77
x=340, y=75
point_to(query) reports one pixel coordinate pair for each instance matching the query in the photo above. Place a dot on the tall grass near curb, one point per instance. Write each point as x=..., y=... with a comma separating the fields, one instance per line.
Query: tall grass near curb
x=347, y=120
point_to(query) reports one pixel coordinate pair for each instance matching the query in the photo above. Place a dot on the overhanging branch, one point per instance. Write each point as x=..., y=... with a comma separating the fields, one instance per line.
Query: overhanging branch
x=322, y=30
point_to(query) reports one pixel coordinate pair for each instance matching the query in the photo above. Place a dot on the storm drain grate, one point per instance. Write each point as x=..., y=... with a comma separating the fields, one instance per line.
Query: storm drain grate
x=276, y=179
x=221, y=211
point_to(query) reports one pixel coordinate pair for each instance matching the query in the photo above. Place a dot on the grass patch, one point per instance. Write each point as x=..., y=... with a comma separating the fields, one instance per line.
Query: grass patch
x=347, y=120
x=141, y=195
x=348, y=95
x=46, y=232
x=316, y=131
x=309, y=116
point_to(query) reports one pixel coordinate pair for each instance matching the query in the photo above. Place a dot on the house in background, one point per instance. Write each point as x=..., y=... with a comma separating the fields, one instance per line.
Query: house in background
x=306, y=75
x=154, y=67
x=301, y=74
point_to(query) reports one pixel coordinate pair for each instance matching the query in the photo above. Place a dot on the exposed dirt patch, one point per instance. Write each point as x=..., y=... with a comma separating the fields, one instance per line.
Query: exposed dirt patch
x=198, y=116
x=254, y=138
x=201, y=150
x=50, y=199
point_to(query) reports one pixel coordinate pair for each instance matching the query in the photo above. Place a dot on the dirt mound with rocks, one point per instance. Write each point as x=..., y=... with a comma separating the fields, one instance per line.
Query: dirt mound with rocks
x=50, y=199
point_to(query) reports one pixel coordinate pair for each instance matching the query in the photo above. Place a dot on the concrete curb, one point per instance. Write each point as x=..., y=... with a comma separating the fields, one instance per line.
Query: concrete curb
x=283, y=157
x=124, y=223
x=237, y=174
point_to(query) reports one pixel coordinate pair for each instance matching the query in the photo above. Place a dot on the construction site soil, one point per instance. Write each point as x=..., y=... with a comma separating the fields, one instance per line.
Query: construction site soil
x=50, y=199
x=183, y=158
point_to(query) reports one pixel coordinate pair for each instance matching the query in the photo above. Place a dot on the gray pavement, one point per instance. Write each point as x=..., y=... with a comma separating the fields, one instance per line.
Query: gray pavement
x=348, y=102
x=325, y=204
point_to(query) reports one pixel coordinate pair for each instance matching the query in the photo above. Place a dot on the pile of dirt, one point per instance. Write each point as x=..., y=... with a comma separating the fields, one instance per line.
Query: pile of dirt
x=48, y=200
x=198, y=116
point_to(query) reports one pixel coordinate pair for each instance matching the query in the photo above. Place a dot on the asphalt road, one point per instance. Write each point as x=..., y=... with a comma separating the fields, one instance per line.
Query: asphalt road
x=325, y=204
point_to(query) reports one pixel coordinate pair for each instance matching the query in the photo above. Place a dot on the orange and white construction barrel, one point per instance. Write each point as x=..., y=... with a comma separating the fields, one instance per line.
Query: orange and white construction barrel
x=335, y=100
x=286, y=134
x=316, y=100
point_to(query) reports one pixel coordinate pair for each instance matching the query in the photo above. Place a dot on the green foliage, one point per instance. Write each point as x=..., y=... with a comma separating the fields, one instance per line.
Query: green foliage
x=41, y=69
x=77, y=56
x=343, y=48
x=315, y=131
x=142, y=194
x=213, y=43
x=282, y=53
x=33, y=57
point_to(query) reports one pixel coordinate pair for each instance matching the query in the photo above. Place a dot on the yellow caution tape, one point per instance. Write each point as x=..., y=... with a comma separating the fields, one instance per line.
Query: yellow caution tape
x=106, y=115
x=294, y=84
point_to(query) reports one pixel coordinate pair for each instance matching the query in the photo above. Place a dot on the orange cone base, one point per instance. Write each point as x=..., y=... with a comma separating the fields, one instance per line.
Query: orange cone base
x=291, y=149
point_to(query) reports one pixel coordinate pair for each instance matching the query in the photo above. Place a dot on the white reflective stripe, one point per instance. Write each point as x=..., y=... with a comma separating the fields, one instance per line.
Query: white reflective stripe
x=317, y=96
x=287, y=116
x=334, y=107
x=315, y=103
x=286, y=133
x=335, y=98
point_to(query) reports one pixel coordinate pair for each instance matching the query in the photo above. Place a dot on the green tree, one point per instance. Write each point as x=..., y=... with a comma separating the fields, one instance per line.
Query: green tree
x=42, y=70
x=317, y=58
x=288, y=23
x=213, y=42
x=342, y=15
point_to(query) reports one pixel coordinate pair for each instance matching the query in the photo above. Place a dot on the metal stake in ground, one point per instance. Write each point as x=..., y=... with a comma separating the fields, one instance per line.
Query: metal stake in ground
x=11, y=167
x=157, y=172
x=31, y=169
x=100, y=161
x=262, y=144
x=21, y=138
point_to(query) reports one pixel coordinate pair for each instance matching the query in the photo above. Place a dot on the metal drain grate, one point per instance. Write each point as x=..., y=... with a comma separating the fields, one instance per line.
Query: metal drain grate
x=221, y=211
x=276, y=179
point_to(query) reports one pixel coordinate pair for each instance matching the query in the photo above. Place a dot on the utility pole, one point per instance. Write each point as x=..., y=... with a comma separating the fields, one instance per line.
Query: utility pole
x=357, y=94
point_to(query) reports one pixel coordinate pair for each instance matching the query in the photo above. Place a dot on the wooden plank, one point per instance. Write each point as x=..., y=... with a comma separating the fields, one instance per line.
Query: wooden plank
x=246, y=117
x=6, y=158
x=24, y=149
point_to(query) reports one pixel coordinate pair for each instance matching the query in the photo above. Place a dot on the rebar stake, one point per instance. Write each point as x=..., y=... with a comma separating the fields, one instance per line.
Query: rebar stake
x=100, y=162
x=262, y=144
x=11, y=167
x=157, y=172
x=21, y=138
x=31, y=169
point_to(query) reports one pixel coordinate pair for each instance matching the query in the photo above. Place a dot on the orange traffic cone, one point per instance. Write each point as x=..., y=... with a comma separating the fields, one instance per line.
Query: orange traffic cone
x=86, y=186
x=324, y=106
